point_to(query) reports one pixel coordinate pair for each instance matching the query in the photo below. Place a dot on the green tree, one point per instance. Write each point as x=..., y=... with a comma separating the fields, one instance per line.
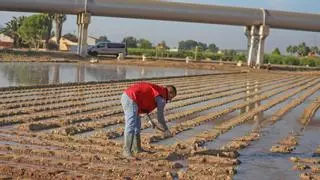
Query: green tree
x=289, y=49
x=276, y=52
x=229, y=52
x=188, y=45
x=102, y=39
x=11, y=29
x=130, y=41
x=294, y=49
x=213, y=48
x=303, y=49
x=202, y=46
x=59, y=19
x=33, y=29
x=144, y=44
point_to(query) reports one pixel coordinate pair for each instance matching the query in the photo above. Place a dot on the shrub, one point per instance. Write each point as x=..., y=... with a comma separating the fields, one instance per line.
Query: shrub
x=216, y=56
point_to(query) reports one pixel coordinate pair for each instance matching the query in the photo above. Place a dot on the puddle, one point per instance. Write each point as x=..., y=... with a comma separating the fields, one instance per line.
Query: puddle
x=20, y=73
x=28, y=146
x=257, y=161
x=310, y=140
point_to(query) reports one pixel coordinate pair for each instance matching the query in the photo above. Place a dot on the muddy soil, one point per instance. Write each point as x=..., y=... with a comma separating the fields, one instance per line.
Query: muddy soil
x=72, y=131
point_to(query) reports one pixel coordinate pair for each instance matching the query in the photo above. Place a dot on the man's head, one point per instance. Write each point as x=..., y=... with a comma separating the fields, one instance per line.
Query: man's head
x=172, y=92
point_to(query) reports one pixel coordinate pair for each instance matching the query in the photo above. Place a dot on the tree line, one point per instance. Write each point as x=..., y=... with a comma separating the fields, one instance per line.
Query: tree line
x=30, y=31
x=302, y=49
x=187, y=45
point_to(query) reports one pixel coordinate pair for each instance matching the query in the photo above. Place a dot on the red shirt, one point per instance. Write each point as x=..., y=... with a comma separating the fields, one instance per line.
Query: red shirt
x=144, y=95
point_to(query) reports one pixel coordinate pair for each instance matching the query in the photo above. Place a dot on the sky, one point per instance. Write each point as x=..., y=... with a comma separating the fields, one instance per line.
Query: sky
x=224, y=36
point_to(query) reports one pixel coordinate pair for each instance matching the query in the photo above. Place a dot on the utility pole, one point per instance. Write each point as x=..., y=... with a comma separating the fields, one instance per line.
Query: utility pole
x=196, y=53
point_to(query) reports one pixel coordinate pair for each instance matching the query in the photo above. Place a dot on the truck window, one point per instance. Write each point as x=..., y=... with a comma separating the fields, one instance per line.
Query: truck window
x=101, y=45
x=115, y=45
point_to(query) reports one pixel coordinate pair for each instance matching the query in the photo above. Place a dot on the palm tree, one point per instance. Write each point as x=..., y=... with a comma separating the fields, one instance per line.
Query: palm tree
x=11, y=30
x=59, y=20
x=289, y=50
x=303, y=49
x=48, y=19
x=294, y=49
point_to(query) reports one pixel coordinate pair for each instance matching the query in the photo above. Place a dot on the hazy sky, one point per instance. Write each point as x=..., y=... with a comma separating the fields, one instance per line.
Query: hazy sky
x=226, y=37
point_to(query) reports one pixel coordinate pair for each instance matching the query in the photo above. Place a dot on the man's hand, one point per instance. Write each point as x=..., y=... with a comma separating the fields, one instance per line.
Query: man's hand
x=167, y=133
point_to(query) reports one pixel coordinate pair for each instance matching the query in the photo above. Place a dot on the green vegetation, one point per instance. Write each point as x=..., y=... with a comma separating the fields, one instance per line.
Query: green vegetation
x=191, y=45
x=30, y=31
x=302, y=49
x=33, y=30
x=158, y=52
x=11, y=29
x=228, y=55
x=130, y=41
x=276, y=52
x=292, y=60
x=144, y=44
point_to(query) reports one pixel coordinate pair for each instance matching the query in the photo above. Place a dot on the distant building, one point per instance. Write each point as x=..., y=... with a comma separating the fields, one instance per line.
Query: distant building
x=91, y=41
x=173, y=50
x=5, y=41
x=71, y=46
x=313, y=54
x=65, y=44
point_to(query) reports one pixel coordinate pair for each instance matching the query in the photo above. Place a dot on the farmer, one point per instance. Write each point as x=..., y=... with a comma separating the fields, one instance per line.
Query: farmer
x=142, y=98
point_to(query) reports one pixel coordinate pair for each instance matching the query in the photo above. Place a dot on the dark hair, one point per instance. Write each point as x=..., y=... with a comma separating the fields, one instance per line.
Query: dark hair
x=173, y=87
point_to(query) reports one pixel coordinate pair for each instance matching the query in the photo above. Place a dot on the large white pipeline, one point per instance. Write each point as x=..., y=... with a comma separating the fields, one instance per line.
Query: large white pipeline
x=171, y=11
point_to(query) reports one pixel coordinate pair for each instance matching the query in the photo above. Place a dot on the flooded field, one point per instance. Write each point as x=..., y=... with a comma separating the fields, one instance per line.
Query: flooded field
x=20, y=74
x=225, y=126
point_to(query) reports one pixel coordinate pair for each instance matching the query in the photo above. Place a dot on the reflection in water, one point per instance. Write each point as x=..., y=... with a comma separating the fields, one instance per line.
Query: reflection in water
x=80, y=73
x=186, y=72
x=142, y=74
x=253, y=88
x=56, y=73
x=257, y=118
x=18, y=73
x=23, y=74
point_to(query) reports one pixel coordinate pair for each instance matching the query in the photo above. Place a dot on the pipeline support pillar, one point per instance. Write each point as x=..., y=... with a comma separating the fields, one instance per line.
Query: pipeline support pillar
x=263, y=33
x=256, y=39
x=83, y=21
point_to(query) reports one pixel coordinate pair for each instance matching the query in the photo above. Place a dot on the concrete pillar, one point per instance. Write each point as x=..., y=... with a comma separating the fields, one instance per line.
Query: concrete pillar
x=253, y=48
x=247, y=32
x=263, y=33
x=256, y=38
x=83, y=21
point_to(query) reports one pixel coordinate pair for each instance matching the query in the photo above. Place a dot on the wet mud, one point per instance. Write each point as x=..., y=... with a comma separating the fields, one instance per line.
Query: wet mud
x=75, y=131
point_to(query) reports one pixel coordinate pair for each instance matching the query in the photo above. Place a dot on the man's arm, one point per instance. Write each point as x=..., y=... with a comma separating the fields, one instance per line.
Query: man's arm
x=160, y=108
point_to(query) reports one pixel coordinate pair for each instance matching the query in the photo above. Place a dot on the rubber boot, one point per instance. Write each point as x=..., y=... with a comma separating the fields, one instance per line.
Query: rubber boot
x=136, y=147
x=128, y=141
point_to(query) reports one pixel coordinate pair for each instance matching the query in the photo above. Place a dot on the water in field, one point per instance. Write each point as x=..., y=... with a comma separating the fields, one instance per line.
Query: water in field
x=21, y=74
